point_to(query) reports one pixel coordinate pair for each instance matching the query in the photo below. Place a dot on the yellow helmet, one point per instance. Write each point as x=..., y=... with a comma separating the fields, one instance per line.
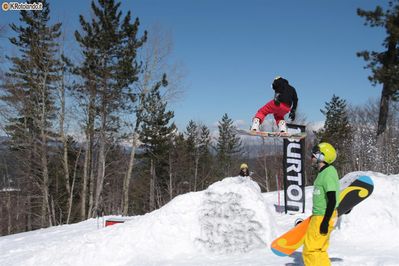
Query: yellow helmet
x=325, y=152
x=243, y=165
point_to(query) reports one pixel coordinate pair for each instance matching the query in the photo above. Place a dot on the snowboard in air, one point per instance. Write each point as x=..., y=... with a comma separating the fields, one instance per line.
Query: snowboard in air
x=271, y=134
x=357, y=191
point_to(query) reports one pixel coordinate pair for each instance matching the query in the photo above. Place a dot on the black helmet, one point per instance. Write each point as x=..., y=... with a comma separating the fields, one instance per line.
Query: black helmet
x=279, y=83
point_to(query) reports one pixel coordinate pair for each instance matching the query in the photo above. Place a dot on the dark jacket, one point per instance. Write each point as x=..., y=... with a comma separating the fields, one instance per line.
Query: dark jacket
x=244, y=173
x=285, y=93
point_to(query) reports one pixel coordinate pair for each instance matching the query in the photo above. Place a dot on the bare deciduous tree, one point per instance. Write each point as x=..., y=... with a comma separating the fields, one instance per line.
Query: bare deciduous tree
x=155, y=56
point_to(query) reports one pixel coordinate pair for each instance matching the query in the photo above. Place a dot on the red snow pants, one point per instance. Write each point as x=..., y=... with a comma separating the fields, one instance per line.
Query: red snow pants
x=279, y=111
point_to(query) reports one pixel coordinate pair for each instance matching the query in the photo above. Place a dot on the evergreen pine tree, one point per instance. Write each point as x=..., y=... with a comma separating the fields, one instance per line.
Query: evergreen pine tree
x=193, y=142
x=179, y=170
x=228, y=145
x=156, y=134
x=206, y=160
x=192, y=136
x=109, y=44
x=384, y=65
x=198, y=143
x=337, y=130
x=29, y=94
x=205, y=141
x=30, y=79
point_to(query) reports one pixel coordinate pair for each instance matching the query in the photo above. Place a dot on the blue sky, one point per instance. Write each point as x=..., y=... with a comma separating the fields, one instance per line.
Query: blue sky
x=233, y=49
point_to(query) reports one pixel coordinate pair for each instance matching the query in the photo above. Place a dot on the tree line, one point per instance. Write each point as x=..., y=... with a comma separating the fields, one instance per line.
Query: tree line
x=129, y=157
x=95, y=135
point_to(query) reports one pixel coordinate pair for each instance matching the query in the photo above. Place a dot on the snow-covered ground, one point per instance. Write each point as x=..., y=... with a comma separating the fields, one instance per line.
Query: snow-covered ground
x=230, y=223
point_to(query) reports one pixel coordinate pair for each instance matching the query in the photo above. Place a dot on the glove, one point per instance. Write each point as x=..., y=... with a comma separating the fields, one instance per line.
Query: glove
x=324, y=227
x=292, y=115
x=255, y=124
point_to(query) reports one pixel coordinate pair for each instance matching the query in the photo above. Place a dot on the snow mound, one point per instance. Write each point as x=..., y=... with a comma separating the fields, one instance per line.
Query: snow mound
x=230, y=223
x=376, y=213
x=234, y=217
x=230, y=216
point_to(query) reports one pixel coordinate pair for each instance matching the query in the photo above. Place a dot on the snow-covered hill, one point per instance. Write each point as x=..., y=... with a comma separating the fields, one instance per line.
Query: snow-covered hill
x=230, y=223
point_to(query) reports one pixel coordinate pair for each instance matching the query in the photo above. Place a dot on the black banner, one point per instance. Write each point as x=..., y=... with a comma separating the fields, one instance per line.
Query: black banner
x=294, y=171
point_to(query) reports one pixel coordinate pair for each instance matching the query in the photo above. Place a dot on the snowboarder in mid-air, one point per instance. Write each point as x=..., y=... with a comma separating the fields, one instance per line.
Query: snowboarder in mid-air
x=285, y=100
x=325, y=201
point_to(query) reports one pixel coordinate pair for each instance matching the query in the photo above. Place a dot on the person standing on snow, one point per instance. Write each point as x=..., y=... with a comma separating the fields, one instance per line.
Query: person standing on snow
x=325, y=201
x=285, y=100
x=244, y=171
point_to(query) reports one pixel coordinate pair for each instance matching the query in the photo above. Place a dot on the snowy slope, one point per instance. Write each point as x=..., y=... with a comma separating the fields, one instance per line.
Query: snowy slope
x=230, y=223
